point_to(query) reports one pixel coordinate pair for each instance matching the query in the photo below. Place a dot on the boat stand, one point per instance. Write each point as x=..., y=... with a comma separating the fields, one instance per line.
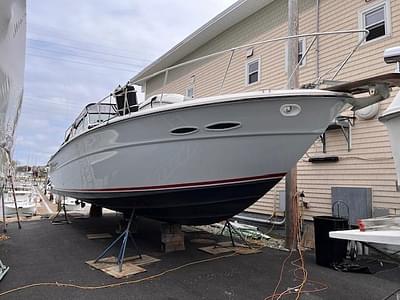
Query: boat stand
x=54, y=221
x=11, y=180
x=232, y=230
x=3, y=270
x=3, y=209
x=124, y=236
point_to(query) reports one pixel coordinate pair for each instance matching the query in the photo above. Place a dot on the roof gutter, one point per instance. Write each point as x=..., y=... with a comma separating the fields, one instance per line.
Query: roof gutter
x=138, y=79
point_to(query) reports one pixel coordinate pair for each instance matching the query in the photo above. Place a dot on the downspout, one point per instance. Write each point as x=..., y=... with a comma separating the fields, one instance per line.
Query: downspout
x=317, y=41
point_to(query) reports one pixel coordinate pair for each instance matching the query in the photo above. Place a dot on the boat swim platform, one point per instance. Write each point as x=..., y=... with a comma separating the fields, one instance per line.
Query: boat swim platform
x=41, y=252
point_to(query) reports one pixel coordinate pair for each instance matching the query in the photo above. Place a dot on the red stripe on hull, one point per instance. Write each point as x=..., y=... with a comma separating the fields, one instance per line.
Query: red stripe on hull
x=181, y=185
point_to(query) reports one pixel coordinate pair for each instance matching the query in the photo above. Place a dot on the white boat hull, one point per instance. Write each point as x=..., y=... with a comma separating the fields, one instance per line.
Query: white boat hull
x=24, y=209
x=201, y=177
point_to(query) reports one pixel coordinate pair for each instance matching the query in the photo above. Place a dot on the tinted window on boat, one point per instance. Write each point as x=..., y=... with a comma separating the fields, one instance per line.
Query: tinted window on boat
x=184, y=130
x=220, y=126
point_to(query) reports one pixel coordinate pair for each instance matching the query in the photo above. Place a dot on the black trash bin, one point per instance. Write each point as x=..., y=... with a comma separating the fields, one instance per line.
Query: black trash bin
x=327, y=250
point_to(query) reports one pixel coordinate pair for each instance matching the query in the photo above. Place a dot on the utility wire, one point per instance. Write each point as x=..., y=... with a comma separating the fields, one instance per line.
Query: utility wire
x=53, y=32
x=83, y=49
x=71, y=54
x=35, y=103
x=79, y=62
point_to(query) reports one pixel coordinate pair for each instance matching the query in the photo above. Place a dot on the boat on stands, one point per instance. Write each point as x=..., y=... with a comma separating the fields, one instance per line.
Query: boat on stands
x=26, y=201
x=196, y=161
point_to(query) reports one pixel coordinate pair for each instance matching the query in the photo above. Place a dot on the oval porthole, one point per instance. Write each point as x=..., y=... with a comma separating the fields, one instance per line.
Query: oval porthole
x=290, y=110
x=184, y=130
x=222, y=126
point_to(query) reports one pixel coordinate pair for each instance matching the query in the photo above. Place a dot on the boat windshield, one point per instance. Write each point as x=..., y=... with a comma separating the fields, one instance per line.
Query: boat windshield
x=92, y=115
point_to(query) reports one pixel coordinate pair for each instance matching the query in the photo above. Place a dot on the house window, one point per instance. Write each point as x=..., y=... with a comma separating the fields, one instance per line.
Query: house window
x=189, y=92
x=376, y=20
x=301, y=52
x=253, y=71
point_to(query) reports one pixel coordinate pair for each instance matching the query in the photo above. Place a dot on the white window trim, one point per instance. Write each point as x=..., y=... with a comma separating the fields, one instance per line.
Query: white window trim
x=303, y=48
x=388, y=19
x=249, y=61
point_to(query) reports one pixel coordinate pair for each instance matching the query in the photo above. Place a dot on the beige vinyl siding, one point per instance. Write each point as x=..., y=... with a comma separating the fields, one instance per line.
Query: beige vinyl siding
x=370, y=162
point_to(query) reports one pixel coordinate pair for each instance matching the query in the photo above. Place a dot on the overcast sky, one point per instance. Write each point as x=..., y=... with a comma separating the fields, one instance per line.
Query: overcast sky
x=79, y=51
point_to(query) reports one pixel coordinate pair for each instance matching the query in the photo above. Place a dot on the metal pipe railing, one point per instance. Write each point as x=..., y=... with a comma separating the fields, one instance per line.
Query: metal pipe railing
x=219, y=53
x=338, y=67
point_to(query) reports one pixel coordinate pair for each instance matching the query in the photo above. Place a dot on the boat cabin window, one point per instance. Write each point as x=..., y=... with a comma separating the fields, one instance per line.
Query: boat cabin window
x=376, y=20
x=91, y=116
x=68, y=133
x=79, y=127
x=252, y=71
x=98, y=113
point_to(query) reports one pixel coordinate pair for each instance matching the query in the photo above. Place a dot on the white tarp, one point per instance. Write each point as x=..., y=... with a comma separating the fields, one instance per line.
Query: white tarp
x=12, y=67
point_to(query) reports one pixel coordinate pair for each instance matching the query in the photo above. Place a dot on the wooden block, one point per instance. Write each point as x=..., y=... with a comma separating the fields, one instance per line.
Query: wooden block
x=95, y=236
x=103, y=263
x=145, y=260
x=3, y=237
x=214, y=250
x=308, y=236
x=246, y=250
x=172, y=237
x=110, y=261
x=170, y=228
x=203, y=241
x=226, y=247
x=229, y=244
x=172, y=247
x=127, y=270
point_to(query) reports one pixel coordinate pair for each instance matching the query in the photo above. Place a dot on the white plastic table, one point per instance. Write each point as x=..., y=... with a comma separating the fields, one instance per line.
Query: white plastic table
x=389, y=237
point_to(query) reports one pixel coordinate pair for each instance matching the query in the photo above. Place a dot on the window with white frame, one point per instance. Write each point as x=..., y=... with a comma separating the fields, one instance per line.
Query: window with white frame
x=253, y=71
x=190, y=92
x=376, y=20
x=302, y=50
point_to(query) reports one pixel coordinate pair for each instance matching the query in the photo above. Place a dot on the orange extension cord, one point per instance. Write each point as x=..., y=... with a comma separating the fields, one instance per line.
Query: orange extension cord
x=299, y=289
x=113, y=285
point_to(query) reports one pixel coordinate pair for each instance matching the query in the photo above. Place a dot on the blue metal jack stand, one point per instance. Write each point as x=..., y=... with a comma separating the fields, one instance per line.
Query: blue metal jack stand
x=124, y=236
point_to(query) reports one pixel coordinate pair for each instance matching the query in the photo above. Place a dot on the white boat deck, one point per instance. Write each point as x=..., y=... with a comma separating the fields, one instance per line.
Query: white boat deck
x=389, y=237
